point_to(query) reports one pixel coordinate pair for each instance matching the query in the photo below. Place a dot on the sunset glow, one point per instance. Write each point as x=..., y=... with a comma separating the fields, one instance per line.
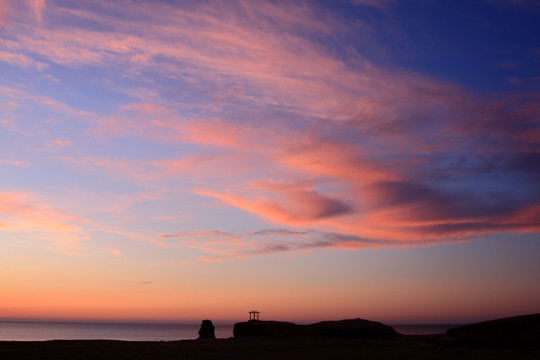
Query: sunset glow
x=181, y=160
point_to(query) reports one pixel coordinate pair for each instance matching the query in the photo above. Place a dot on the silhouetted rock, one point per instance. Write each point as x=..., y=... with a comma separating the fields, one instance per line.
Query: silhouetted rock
x=516, y=331
x=207, y=330
x=356, y=329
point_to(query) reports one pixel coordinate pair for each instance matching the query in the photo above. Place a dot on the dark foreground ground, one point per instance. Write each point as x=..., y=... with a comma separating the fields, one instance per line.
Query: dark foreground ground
x=405, y=347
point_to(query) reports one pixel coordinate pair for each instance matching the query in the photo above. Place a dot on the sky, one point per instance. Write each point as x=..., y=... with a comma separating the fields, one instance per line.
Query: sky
x=313, y=160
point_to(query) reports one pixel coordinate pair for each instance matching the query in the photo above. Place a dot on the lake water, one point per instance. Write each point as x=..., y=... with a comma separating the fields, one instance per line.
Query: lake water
x=41, y=331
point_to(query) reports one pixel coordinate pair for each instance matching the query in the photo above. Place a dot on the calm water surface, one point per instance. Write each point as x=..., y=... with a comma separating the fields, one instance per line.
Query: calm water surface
x=41, y=331
x=423, y=329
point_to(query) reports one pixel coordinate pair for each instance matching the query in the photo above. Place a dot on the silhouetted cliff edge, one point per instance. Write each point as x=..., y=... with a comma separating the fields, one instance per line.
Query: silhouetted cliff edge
x=351, y=329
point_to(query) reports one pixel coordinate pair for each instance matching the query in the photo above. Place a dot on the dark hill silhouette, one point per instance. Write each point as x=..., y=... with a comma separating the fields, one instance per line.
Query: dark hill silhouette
x=352, y=329
x=515, y=331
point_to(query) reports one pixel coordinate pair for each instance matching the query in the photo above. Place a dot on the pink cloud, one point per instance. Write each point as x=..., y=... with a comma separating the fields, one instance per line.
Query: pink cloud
x=21, y=212
x=21, y=60
x=4, y=11
x=121, y=203
x=221, y=246
x=160, y=123
x=277, y=241
x=335, y=160
x=114, y=251
x=389, y=214
x=18, y=98
x=264, y=207
x=56, y=144
x=189, y=234
x=524, y=220
x=506, y=120
x=38, y=6
x=14, y=163
x=208, y=166
x=208, y=241
x=290, y=71
x=381, y=203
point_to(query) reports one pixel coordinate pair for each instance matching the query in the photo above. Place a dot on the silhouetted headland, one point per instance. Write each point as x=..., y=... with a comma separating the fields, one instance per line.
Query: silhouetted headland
x=515, y=331
x=352, y=329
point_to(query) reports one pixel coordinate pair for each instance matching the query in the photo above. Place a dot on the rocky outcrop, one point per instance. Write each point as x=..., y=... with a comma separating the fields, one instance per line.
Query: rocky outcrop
x=355, y=329
x=207, y=330
x=516, y=331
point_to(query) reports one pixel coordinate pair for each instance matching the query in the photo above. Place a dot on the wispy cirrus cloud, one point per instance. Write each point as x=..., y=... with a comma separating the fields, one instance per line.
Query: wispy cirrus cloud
x=4, y=13
x=114, y=251
x=219, y=246
x=21, y=60
x=38, y=6
x=294, y=131
x=18, y=163
x=21, y=212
